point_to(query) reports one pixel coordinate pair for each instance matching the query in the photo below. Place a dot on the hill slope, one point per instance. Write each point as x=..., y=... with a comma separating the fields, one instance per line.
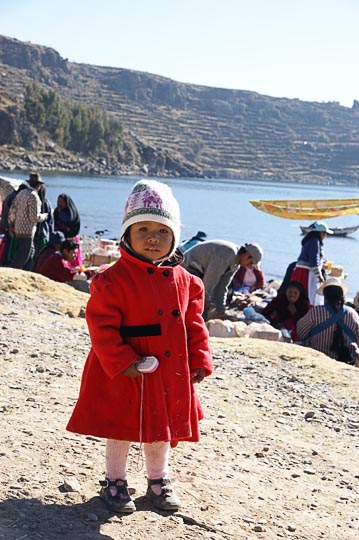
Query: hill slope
x=215, y=131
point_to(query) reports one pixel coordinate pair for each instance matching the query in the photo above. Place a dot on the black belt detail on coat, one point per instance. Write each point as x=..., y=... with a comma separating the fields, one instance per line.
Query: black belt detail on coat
x=143, y=330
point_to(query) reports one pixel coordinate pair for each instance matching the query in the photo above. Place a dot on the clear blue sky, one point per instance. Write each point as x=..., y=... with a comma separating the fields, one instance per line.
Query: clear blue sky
x=307, y=49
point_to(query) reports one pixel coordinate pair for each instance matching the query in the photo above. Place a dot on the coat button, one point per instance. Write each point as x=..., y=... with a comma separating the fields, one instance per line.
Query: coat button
x=160, y=312
x=150, y=270
x=166, y=273
x=175, y=312
x=167, y=353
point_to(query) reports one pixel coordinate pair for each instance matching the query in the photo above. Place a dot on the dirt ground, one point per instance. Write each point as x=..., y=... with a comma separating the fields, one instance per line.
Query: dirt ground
x=278, y=458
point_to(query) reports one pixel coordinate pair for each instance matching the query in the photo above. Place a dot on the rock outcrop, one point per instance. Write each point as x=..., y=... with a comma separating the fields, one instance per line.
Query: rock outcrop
x=192, y=130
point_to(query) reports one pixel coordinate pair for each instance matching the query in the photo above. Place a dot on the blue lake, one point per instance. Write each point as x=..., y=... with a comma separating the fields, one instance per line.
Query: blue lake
x=222, y=209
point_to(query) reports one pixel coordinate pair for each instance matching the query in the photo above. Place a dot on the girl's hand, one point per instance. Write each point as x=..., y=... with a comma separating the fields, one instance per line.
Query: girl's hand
x=197, y=375
x=132, y=371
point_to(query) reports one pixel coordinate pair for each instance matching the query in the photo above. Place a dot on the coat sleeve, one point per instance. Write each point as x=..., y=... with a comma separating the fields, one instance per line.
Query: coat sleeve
x=103, y=316
x=197, y=334
x=260, y=278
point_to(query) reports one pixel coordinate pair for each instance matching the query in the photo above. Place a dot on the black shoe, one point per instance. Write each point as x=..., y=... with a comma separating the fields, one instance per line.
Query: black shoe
x=121, y=501
x=167, y=499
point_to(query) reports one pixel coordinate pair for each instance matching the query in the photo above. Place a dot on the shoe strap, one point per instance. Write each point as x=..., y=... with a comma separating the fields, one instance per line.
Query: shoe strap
x=113, y=483
x=159, y=481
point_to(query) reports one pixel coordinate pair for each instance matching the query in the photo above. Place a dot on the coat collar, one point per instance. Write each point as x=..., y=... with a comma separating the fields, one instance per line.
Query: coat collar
x=128, y=254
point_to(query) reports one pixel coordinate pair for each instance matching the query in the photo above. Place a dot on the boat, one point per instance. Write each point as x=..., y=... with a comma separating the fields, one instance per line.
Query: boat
x=308, y=209
x=337, y=231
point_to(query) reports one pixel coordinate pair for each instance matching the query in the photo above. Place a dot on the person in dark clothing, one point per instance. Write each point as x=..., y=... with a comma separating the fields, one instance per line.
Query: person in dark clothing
x=55, y=240
x=45, y=228
x=66, y=216
x=67, y=220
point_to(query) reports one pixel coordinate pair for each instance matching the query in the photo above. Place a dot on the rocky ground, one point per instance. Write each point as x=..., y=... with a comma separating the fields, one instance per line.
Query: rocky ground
x=277, y=459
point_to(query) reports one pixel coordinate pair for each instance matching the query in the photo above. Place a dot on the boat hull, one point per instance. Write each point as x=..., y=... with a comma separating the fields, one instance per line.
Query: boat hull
x=337, y=231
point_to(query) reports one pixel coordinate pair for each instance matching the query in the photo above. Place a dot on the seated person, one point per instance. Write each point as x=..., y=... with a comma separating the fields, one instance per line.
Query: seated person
x=248, y=278
x=333, y=328
x=285, y=310
x=58, y=266
x=54, y=245
x=196, y=239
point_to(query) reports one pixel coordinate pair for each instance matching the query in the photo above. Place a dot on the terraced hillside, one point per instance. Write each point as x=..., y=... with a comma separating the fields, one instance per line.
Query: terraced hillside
x=229, y=133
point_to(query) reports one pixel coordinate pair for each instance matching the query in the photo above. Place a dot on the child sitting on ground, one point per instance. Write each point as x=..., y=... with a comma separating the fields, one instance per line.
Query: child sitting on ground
x=285, y=310
x=146, y=304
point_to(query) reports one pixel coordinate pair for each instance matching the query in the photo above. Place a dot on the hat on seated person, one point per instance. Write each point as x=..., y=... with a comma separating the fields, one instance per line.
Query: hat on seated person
x=320, y=226
x=338, y=272
x=330, y=282
x=255, y=251
x=35, y=179
x=56, y=237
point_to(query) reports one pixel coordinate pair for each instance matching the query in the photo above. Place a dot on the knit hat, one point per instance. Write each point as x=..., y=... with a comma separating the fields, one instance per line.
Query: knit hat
x=56, y=237
x=150, y=200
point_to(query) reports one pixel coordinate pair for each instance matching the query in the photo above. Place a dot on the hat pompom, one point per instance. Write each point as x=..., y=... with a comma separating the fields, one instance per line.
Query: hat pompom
x=150, y=200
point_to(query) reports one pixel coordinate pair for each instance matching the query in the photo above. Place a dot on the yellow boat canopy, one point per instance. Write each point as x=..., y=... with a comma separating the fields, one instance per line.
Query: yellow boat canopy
x=308, y=209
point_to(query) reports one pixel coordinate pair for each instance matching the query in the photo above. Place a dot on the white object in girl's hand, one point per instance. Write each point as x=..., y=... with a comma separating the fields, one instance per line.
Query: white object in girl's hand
x=149, y=365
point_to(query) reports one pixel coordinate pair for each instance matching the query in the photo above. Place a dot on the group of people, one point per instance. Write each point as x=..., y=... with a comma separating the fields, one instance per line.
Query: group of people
x=149, y=341
x=306, y=299
x=39, y=238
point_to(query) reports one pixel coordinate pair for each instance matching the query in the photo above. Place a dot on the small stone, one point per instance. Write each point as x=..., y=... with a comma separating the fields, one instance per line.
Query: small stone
x=92, y=517
x=309, y=415
x=291, y=528
x=71, y=484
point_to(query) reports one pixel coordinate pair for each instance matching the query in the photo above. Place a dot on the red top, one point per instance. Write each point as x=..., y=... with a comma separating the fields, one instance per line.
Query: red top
x=139, y=309
x=54, y=267
x=239, y=277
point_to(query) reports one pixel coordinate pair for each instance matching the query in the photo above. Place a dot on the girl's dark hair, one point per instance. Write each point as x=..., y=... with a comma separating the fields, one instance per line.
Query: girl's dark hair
x=334, y=296
x=310, y=235
x=69, y=245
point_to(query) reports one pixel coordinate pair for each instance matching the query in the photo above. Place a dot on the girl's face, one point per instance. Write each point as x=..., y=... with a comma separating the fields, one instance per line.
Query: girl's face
x=292, y=294
x=151, y=240
x=61, y=204
x=69, y=254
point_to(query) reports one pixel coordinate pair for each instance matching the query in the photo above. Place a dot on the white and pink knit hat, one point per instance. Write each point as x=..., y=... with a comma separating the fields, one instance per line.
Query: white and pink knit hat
x=150, y=200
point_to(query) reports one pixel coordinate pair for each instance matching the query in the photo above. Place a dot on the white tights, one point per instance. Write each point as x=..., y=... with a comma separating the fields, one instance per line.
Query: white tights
x=156, y=454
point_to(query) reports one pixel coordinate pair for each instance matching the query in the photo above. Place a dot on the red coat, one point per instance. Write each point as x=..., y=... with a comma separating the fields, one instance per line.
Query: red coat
x=157, y=311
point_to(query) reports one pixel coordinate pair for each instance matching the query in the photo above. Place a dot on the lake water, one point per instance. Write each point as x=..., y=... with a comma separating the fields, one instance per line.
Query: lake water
x=222, y=209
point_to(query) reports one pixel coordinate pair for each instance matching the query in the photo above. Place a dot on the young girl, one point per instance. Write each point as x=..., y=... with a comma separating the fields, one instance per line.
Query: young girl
x=146, y=304
x=285, y=310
